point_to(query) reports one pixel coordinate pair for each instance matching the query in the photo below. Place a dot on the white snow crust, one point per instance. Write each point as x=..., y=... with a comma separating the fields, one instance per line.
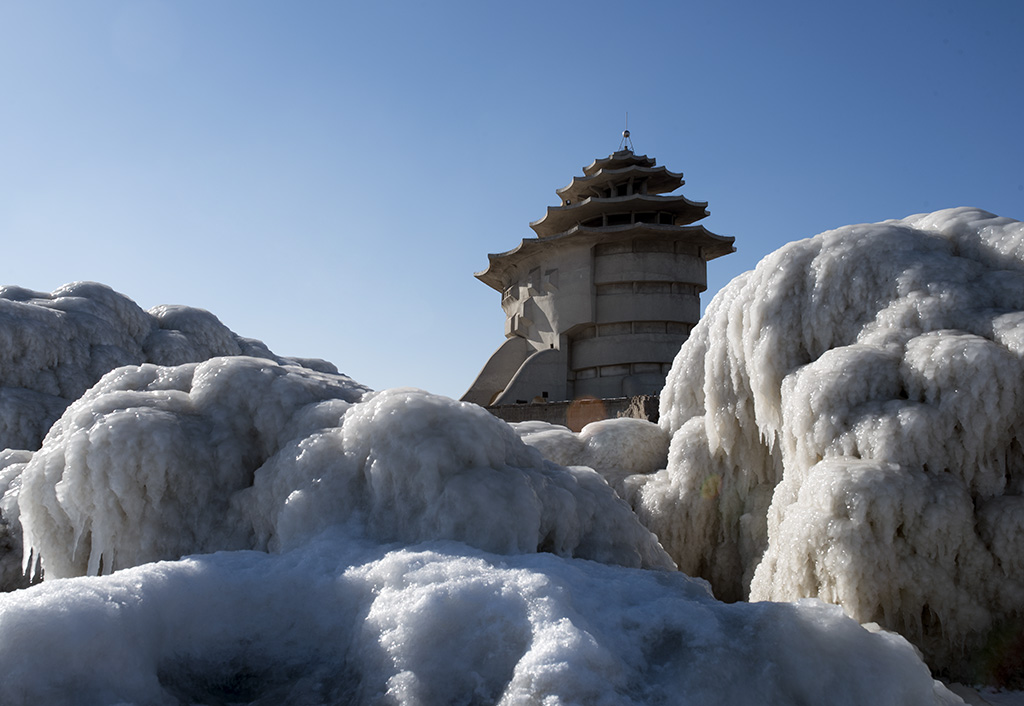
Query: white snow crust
x=846, y=423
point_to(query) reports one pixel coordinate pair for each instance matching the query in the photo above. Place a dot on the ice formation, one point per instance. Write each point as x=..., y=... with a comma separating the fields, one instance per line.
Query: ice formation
x=337, y=621
x=241, y=453
x=53, y=347
x=846, y=423
x=246, y=530
x=615, y=448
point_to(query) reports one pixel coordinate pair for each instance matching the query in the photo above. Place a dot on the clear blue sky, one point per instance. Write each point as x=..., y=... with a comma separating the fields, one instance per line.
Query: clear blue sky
x=327, y=176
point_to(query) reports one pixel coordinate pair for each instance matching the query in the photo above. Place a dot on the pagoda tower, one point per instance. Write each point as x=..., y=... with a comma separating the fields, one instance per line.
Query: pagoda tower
x=598, y=304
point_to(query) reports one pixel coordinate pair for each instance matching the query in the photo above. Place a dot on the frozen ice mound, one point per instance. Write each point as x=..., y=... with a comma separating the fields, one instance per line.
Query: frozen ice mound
x=615, y=448
x=846, y=423
x=242, y=453
x=55, y=346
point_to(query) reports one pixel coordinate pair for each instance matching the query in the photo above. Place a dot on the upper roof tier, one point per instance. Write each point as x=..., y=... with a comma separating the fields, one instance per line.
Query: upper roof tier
x=648, y=180
x=623, y=196
x=618, y=160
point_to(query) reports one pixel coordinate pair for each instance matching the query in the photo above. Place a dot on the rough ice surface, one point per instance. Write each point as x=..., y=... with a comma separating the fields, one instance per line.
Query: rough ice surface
x=147, y=464
x=12, y=573
x=615, y=448
x=241, y=453
x=53, y=347
x=846, y=423
x=339, y=621
x=247, y=530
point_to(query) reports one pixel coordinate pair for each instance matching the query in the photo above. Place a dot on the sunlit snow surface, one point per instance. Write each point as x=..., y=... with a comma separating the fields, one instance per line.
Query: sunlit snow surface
x=846, y=423
x=348, y=547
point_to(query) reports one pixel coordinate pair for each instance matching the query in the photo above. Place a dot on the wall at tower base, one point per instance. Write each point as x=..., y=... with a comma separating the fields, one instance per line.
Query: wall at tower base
x=494, y=377
x=576, y=414
x=541, y=376
x=847, y=423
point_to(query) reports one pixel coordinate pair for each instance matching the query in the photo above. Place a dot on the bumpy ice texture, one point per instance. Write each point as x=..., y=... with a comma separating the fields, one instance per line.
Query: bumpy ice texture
x=338, y=621
x=615, y=448
x=147, y=464
x=235, y=453
x=846, y=423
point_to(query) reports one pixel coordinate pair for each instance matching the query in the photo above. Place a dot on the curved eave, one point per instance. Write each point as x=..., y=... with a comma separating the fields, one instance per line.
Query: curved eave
x=616, y=160
x=713, y=245
x=659, y=180
x=561, y=218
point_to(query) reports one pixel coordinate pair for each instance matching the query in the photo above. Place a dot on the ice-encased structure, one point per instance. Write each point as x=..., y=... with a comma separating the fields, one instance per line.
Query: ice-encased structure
x=348, y=547
x=846, y=423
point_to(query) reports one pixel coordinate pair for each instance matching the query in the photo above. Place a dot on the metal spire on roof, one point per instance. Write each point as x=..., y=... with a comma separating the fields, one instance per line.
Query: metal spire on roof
x=628, y=143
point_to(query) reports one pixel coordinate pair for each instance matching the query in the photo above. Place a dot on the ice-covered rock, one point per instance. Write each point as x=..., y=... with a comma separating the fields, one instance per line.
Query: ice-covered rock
x=846, y=423
x=55, y=346
x=12, y=574
x=412, y=466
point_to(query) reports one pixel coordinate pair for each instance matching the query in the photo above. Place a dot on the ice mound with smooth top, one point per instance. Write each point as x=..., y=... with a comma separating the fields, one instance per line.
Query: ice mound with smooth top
x=846, y=423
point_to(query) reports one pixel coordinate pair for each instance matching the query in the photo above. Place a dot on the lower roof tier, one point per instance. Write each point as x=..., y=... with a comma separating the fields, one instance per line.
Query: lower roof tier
x=501, y=265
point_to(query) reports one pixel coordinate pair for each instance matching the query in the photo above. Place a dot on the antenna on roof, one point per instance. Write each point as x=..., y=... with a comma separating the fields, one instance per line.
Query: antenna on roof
x=625, y=136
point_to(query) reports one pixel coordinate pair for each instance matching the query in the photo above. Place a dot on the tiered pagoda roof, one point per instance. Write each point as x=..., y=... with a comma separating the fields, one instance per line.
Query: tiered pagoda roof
x=621, y=196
